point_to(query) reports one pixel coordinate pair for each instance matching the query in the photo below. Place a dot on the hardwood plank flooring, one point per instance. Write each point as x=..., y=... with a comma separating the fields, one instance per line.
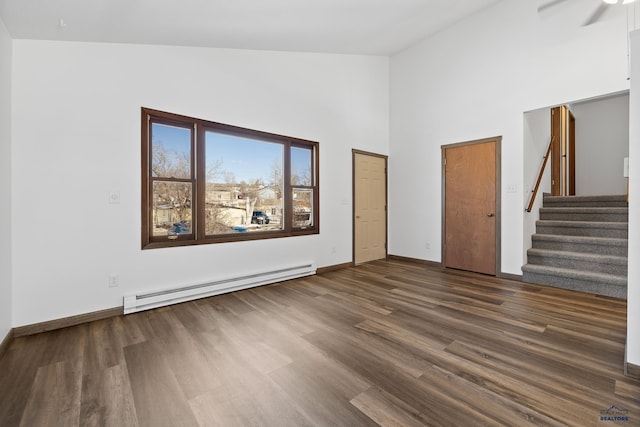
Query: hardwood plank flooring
x=388, y=343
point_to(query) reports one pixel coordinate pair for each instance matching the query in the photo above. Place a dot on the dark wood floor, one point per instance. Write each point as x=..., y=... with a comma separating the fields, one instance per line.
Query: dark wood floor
x=388, y=343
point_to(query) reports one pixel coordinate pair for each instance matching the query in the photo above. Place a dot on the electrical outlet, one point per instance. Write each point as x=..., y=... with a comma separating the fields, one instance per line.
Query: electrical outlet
x=114, y=197
x=114, y=280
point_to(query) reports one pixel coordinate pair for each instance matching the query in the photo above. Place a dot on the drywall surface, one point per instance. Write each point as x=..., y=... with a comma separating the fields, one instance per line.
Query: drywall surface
x=537, y=133
x=602, y=143
x=5, y=183
x=633, y=290
x=76, y=128
x=475, y=80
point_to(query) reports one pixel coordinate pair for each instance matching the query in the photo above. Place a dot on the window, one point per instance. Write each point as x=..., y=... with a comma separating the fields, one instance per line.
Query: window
x=206, y=182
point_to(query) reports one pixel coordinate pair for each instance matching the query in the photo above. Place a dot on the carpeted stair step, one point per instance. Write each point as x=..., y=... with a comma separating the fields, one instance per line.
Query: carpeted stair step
x=585, y=201
x=583, y=228
x=606, y=264
x=585, y=214
x=594, y=283
x=583, y=244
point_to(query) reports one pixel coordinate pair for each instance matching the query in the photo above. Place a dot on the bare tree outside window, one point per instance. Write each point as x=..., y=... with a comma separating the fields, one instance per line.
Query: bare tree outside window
x=207, y=182
x=248, y=180
x=302, y=183
x=172, y=190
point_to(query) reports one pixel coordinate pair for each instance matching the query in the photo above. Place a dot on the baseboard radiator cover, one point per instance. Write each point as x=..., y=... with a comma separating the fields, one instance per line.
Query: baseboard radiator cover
x=161, y=298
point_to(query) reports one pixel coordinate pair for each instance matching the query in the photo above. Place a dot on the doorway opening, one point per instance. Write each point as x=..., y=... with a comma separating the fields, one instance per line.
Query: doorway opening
x=601, y=145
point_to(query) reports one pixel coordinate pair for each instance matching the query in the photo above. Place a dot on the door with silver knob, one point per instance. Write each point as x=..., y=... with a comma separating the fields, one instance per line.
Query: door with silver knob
x=470, y=223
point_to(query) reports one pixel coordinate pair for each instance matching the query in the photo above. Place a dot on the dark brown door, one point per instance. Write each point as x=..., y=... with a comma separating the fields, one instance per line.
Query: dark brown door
x=572, y=154
x=556, y=151
x=470, y=207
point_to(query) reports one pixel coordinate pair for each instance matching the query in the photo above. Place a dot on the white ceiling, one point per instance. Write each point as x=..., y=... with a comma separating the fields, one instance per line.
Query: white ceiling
x=372, y=27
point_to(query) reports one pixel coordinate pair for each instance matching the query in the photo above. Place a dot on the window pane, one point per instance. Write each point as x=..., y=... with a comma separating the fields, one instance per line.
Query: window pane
x=170, y=151
x=244, y=184
x=171, y=208
x=206, y=182
x=302, y=208
x=301, y=166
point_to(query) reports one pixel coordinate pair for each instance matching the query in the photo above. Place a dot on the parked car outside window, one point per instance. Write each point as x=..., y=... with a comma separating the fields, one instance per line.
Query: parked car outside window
x=259, y=217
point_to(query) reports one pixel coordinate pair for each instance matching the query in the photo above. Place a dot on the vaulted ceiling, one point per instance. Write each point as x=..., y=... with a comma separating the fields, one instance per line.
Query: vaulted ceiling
x=372, y=27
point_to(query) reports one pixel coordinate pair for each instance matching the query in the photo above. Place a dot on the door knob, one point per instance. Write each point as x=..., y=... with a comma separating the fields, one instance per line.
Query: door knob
x=490, y=214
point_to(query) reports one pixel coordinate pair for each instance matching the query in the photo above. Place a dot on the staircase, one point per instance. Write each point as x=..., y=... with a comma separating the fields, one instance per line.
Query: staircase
x=581, y=244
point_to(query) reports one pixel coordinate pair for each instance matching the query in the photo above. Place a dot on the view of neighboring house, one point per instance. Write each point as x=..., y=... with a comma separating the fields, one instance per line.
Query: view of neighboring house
x=228, y=207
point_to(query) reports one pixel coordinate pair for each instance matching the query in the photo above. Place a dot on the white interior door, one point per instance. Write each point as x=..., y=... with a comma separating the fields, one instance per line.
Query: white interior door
x=370, y=207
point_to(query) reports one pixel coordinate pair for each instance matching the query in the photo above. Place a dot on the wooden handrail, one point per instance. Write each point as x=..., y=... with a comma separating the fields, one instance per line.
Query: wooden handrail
x=544, y=164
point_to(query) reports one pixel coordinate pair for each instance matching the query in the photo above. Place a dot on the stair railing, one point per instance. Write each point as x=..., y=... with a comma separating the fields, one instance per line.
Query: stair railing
x=534, y=192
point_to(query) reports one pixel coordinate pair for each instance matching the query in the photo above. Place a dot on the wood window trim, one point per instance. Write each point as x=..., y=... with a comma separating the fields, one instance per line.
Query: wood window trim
x=198, y=166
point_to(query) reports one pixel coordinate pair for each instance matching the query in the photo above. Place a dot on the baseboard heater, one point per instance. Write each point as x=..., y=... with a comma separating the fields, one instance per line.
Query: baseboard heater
x=154, y=299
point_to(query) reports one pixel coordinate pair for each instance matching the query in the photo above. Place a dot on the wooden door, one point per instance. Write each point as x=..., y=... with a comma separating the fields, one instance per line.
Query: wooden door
x=572, y=154
x=470, y=239
x=556, y=151
x=370, y=207
x=563, y=148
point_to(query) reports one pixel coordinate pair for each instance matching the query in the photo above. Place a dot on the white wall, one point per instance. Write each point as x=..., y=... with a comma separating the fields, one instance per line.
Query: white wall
x=475, y=80
x=5, y=182
x=633, y=291
x=602, y=142
x=537, y=132
x=76, y=136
